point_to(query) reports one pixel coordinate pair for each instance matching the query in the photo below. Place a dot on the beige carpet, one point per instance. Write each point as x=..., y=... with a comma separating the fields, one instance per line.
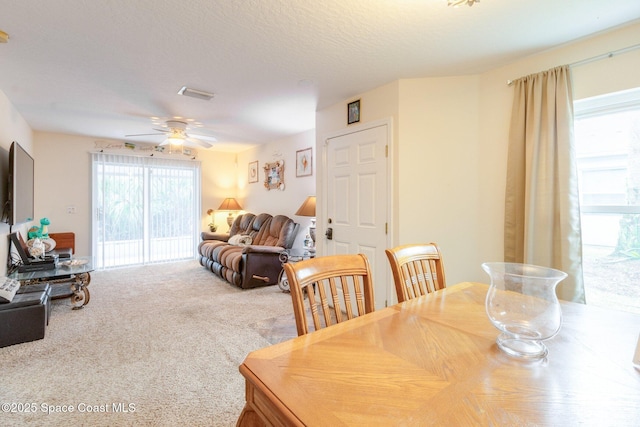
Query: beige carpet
x=163, y=342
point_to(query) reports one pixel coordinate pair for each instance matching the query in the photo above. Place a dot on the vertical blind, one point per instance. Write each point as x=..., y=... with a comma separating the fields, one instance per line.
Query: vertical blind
x=146, y=209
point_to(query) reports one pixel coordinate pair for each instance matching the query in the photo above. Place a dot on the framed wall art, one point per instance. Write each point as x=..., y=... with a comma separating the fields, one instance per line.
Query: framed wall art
x=353, y=112
x=274, y=175
x=253, y=172
x=304, y=164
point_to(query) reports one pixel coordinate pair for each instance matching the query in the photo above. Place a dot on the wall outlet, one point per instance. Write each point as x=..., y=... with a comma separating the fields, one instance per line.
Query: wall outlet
x=71, y=209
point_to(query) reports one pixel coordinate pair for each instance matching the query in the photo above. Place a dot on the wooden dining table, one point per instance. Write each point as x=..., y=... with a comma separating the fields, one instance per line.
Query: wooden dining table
x=433, y=361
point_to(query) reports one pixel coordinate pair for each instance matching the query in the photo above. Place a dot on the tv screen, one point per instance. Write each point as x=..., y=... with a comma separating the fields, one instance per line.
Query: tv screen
x=21, y=170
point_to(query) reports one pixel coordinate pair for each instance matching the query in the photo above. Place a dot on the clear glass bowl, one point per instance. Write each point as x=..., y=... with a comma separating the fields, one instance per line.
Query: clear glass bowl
x=523, y=305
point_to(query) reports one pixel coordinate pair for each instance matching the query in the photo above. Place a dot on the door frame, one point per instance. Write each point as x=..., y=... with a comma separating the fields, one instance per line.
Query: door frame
x=321, y=208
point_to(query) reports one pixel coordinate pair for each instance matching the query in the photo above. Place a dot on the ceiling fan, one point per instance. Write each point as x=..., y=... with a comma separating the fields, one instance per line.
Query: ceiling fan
x=176, y=132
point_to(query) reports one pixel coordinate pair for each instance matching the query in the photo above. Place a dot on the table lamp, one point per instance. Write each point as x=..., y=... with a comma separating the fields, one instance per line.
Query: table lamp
x=230, y=204
x=308, y=208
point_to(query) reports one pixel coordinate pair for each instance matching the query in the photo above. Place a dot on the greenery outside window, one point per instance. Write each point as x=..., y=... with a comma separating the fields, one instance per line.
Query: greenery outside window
x=146, y=210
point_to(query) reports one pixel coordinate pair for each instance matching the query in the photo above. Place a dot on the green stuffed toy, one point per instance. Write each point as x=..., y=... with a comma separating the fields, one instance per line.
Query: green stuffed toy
x=41, y=232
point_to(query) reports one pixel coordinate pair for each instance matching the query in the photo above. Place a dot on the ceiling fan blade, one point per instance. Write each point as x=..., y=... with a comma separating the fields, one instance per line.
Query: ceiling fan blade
x=201, y=143
x=200, y=136
x=178, y=129
x=144, y=134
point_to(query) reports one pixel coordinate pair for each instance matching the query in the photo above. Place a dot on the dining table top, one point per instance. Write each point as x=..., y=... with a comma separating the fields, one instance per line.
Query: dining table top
x=433, y=360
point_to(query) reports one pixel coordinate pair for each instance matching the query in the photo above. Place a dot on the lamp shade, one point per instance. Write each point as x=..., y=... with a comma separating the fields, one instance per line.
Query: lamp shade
x=229, y=204
x=308, y=207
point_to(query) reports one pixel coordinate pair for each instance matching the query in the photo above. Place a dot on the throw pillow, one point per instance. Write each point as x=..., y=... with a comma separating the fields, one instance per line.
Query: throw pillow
x=8, y=289
x=240, y=240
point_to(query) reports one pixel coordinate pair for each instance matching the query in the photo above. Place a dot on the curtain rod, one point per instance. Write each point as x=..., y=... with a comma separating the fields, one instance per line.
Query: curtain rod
x=597, y=58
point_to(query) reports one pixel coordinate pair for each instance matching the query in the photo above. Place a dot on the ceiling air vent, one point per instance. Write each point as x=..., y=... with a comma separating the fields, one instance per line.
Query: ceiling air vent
x=195, y=93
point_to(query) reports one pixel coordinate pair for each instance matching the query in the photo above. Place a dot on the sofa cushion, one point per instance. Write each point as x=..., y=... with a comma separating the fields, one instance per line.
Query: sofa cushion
x=259, y=223
x=230, y=257
x=242, y=224
x=276, y=233
x=212, y=235
x=206, y=247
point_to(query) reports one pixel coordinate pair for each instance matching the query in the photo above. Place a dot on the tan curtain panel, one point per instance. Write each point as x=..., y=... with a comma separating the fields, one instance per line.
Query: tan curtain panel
x=542, y=211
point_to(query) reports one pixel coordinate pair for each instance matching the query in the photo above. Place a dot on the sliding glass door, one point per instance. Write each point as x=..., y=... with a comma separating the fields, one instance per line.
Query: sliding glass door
x=146, y=209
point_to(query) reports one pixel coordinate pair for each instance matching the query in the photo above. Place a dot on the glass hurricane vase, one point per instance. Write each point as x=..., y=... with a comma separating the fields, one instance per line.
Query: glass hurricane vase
x=522, y=304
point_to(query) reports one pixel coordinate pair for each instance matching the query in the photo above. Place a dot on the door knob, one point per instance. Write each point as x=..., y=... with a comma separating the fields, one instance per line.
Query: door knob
x=329, y=233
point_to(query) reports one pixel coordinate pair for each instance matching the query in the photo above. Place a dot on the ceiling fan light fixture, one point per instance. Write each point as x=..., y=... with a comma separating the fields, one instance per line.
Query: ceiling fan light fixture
x=175, y=139
x=195, y=93
x=456, y=3
x=175, y=133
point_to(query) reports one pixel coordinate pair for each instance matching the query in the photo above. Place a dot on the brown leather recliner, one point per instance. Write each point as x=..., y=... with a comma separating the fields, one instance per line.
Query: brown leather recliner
x=257, y=264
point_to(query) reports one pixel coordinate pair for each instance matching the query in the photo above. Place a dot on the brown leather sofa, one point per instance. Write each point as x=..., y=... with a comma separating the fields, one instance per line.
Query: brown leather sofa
x=253, y=265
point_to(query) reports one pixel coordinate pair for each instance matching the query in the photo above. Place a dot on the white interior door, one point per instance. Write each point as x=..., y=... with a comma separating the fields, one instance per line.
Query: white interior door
x=357, y=200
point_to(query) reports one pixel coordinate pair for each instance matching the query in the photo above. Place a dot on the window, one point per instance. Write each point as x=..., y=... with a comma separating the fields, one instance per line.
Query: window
x=146, y=210
x=607, y=136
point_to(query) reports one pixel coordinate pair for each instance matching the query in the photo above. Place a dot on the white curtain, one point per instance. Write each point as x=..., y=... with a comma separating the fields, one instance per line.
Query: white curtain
x=146, y=209
x=542, y=211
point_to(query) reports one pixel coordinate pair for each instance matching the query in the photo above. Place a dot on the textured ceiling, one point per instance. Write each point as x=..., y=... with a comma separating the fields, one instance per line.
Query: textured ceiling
x=105, y=68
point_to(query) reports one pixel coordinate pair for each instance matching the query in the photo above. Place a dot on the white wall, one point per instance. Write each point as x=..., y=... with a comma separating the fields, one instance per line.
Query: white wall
x=255, y=198
x=603, y=76
x=450, y=145
x=13, y=127
x=219, y=181
x=378, y=104
x=462, y=122
x=438, y=170
x=434, y=162
x=63, y=178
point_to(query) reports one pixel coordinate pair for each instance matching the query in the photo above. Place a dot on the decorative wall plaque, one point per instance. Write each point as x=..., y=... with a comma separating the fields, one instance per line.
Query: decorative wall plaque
x=274, y=175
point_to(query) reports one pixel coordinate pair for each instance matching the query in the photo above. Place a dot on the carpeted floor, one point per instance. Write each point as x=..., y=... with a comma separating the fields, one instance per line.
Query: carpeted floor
x=156, y=345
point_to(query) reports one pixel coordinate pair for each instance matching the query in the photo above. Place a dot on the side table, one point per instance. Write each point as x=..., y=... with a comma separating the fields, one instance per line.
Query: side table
x=292, y=255
x=69, y=279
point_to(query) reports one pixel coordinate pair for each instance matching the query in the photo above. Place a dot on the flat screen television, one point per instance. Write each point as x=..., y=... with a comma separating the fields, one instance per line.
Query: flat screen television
x=20, y=183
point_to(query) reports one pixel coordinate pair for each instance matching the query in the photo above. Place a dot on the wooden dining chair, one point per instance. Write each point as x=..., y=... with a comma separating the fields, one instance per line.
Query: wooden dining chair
x=417, y=270
x=335, y=288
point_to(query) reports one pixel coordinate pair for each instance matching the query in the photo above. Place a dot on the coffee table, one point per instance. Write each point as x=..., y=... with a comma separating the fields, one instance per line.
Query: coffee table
x=69, y=279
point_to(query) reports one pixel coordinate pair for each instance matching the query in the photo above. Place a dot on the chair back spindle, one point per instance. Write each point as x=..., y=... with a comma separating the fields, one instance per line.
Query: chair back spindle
x=335, y=288
x=417, y=270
